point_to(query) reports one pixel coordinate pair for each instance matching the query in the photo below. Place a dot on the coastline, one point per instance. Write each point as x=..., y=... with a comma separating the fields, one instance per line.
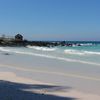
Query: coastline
x=49, y=50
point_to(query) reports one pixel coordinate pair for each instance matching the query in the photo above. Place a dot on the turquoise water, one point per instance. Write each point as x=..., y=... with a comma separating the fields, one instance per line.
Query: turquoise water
x=87, y=53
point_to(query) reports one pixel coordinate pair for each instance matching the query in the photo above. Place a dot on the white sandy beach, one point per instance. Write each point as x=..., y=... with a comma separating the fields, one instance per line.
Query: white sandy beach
x=31, y=81
x=13, y=74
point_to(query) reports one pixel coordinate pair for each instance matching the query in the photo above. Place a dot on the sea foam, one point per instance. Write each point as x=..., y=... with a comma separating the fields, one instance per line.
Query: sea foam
x=41, y=48
x=47, y=56
x=80, y=52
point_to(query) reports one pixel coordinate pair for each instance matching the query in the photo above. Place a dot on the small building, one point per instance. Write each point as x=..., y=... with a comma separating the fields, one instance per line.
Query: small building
x=18, y=37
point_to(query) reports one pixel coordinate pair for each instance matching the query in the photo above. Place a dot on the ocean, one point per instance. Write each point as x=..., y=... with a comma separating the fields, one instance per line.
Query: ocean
x=88, y=52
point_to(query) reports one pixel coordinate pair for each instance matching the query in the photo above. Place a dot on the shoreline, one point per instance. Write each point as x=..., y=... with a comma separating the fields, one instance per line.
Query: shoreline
x=8, y=52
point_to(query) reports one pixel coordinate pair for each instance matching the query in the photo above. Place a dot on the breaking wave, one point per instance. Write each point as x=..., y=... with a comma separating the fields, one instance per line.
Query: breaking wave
x=47, y=56
x=41, y=48
x=80, y=52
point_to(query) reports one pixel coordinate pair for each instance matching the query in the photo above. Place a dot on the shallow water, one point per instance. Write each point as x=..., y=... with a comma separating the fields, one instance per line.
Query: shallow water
x=87, y=53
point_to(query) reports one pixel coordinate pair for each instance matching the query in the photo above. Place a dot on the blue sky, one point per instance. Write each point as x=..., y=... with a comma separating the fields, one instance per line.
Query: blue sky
x=51, y=19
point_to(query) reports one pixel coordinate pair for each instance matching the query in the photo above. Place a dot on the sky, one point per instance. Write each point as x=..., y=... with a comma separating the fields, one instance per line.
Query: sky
x=51, y=19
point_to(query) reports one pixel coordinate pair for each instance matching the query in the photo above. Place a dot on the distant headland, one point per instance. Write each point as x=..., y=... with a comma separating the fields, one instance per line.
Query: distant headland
x=18, y=40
